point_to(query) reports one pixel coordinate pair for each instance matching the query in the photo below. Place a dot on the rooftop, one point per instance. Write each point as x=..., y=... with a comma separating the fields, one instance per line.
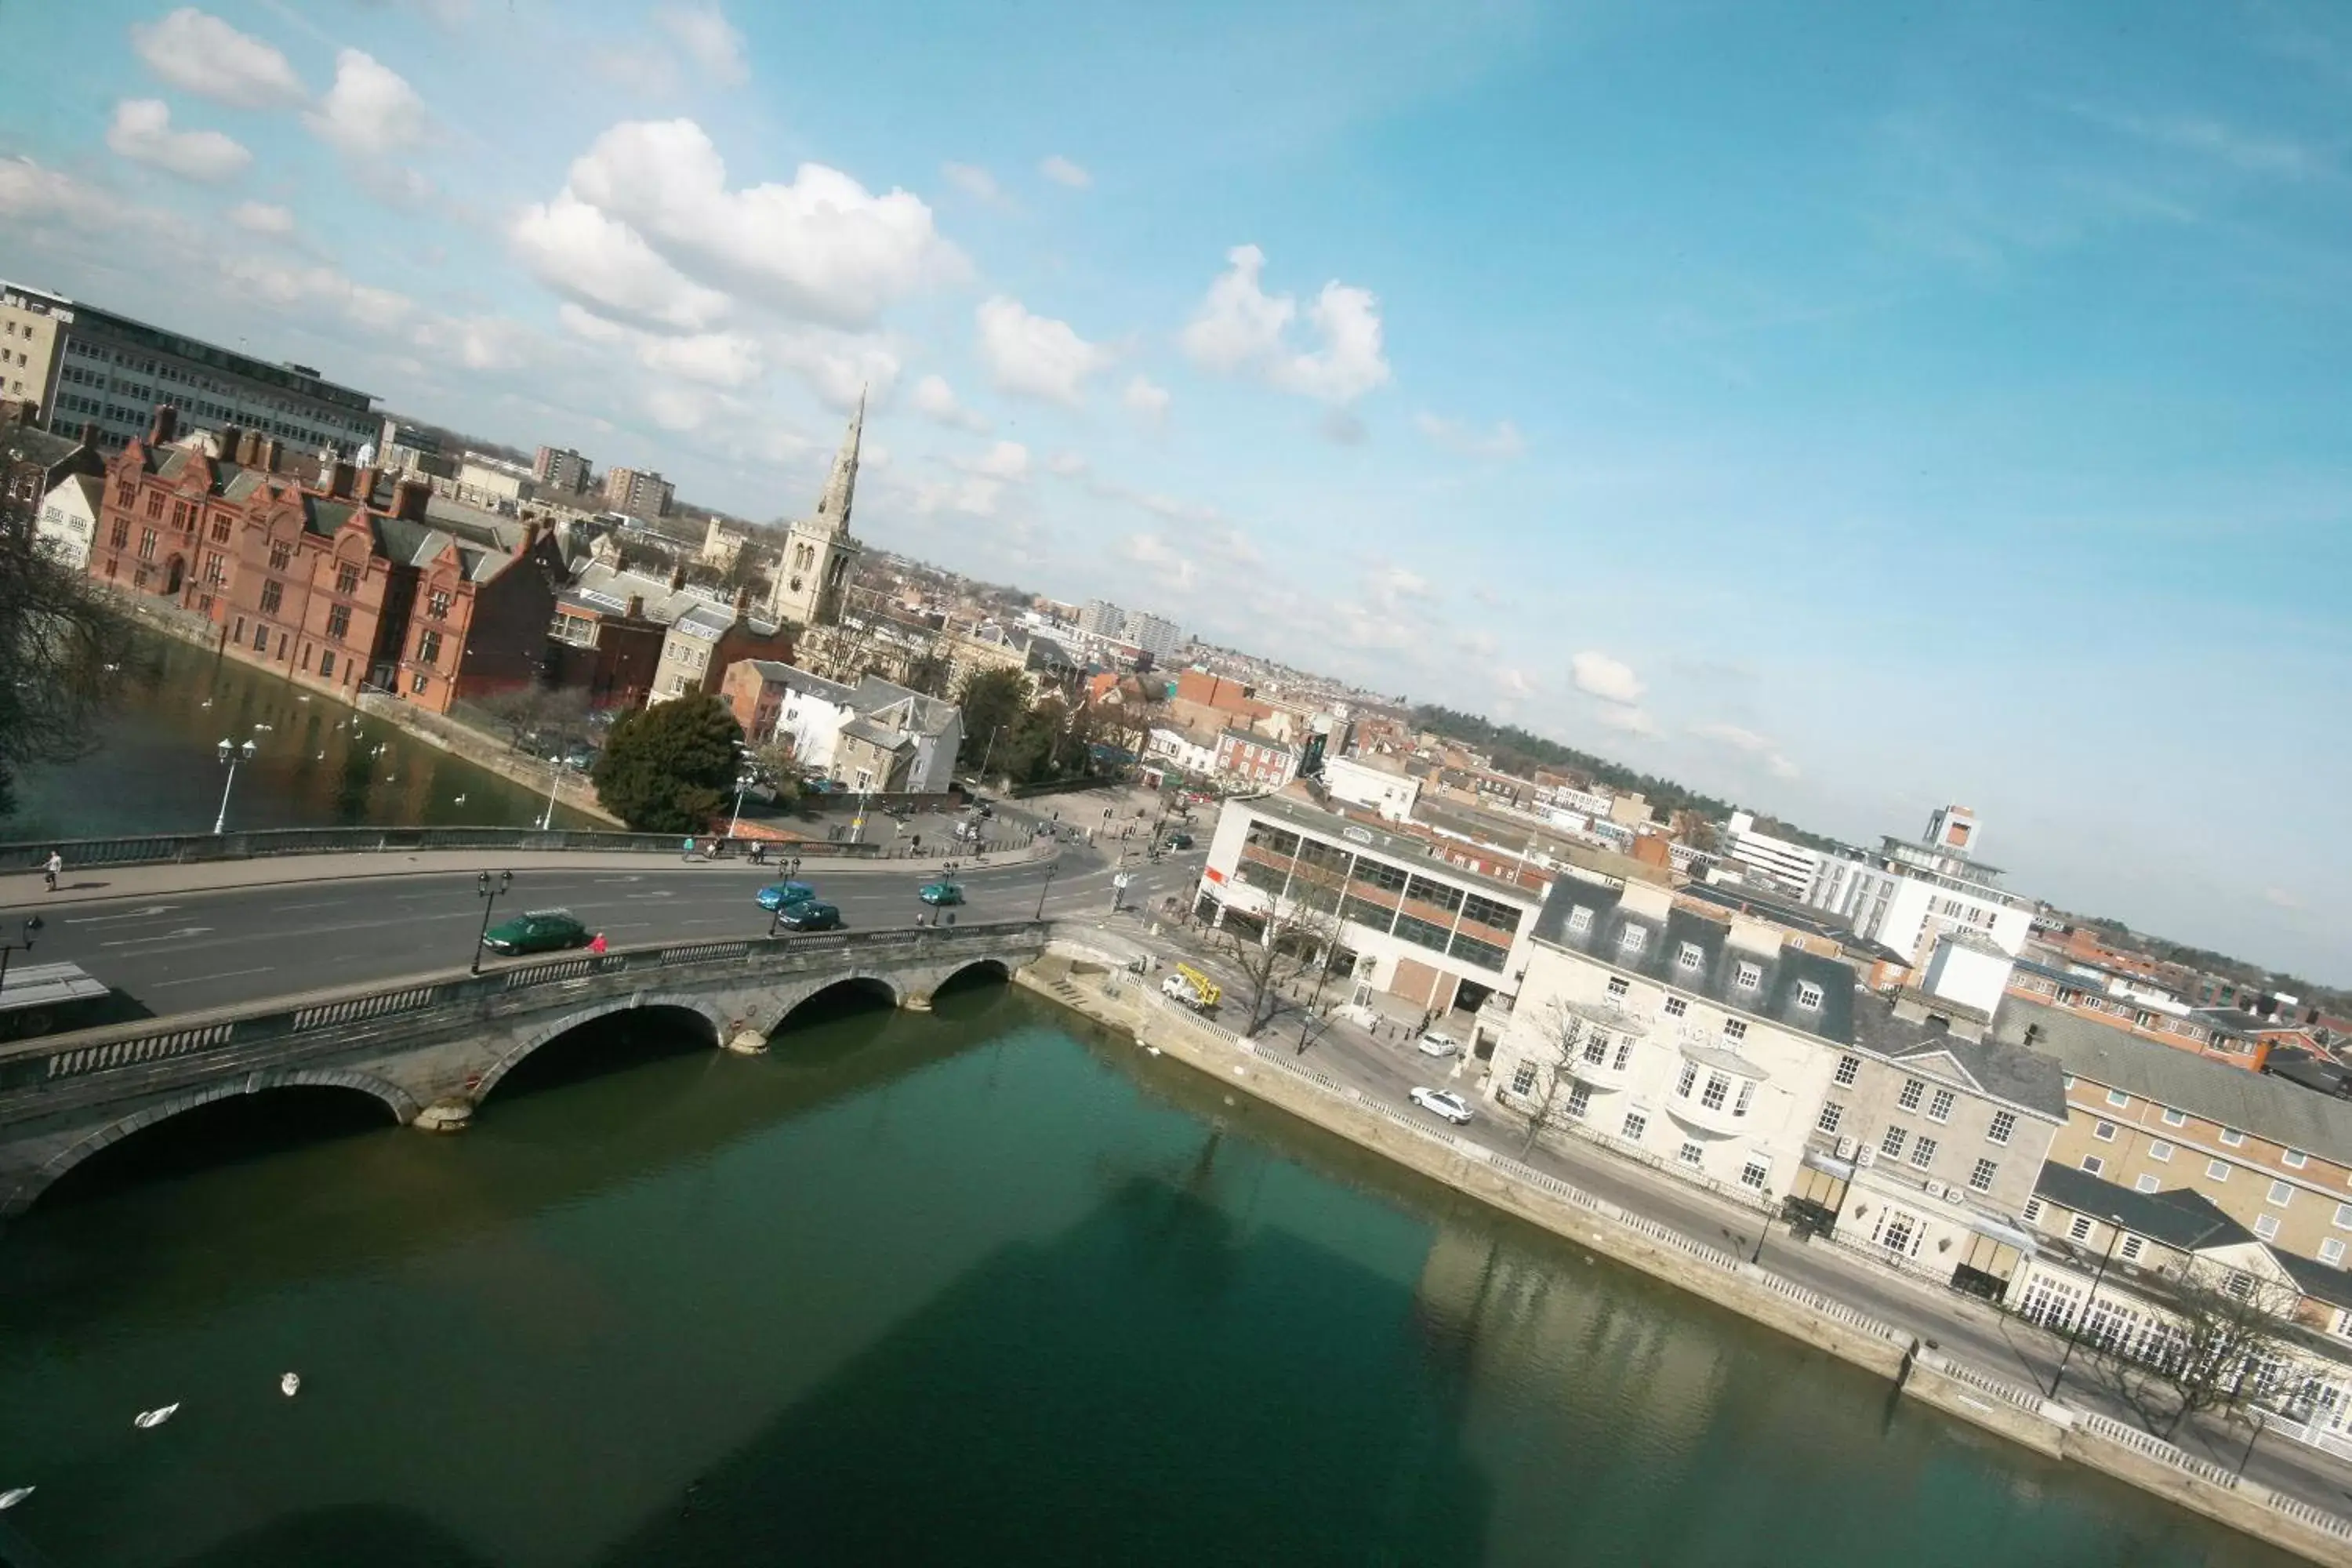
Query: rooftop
x=1402, y=846
x=2183, y=1220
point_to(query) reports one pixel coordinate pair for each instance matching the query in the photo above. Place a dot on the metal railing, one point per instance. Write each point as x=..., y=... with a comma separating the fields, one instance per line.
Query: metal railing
x=188, y=849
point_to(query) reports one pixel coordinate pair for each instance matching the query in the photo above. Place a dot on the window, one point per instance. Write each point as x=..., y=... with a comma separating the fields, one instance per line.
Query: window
x=2266, y=1225
x=1636, y=1125
x=2232, y=1137
x=1754, y=1174
x=2119, y=1098
x=347, y=579
x=2032, y=1209
x=2079, y=1229
x=220, y=530
x=2130, y=1250
x=1682, y=1084
x=2280, y=1195
x=1596, y=1048
x=2105, y=1132
x=2093, y=1164
x=1747, y=1097
x=120, y=535
x=437, y=604
x=1676, y=1006
x=1688, y=956
x=261, y=636
x=428, y=648
x=326, y=665
x=1750, y=976
x=2344, y=1216
x=1717, y=1088
x=1624, y=1051
x=2145, y=1184
x=2331, y=1252
x=2294, y=1159
x=1923, y=1152
x=1832, y=1114
x=1632, y=937
x=418, y=685
x=155, y=503
x=2175, y=1118
x=272, y=593
x=1912, y=1089
x=146, y=544
x=280, y=554
x=1690, y=1154
x=1617, y=986
x=1941, y=1108
x=339, y=621
x=1848, y=1069
x=1892, y=1144
x=1580, y=919
x=2160, y=1151
x=1734, y=1029
x=2004, y=1122
x=1523, y=1079
x=1982, y=1177
x=1808, y=993
x=2216, y=1171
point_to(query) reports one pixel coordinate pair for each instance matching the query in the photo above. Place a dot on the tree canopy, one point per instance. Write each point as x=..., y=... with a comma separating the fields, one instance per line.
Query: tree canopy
x=57, y=641
x=669, y=768
x=991, y=700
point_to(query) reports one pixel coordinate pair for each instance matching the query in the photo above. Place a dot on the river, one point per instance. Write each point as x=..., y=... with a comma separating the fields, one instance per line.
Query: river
x=316, y=763
x=984, y=1285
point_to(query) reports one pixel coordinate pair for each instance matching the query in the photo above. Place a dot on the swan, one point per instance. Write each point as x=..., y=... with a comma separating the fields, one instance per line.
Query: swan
x=155, y=1417
x=13, y=1495
x=290, y=1384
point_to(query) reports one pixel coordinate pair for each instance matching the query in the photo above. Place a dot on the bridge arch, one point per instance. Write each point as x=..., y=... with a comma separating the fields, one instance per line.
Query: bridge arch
x=881, y=988
x=708, y=1012
x=978, y=972
x=399, y=1105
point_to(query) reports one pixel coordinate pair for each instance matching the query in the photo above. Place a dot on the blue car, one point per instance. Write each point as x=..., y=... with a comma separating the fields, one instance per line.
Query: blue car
x=783, y=895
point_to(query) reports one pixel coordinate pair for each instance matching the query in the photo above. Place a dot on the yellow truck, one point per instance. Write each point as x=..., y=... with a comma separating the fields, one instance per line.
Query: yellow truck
x=1193, y=988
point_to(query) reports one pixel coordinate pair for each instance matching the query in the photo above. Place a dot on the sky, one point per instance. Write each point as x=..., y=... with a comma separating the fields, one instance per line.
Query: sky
x=1841, y=409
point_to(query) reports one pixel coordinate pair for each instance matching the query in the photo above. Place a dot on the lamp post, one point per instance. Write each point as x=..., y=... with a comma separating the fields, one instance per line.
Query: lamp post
x=1763, y=1229
x=554, y=776
x=987, y=752
x=742, y=783
x=490, y=893
x=230, y=755
x=2247, y=1457
x=1051, y=866
x=32, y=929
x=2114, y=1234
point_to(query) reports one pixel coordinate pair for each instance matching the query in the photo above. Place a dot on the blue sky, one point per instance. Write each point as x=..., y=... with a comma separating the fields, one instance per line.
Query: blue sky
x=1844, y=409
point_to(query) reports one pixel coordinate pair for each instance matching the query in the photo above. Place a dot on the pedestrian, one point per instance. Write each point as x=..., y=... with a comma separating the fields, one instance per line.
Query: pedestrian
x=53, y=868
x=596, y=944
x=687, y=852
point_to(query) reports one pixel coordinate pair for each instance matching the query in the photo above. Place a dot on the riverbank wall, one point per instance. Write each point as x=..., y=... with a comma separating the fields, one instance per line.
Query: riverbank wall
x=1092, y=980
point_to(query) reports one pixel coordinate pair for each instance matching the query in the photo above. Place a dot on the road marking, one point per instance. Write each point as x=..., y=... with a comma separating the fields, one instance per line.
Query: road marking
x=640, y=897
x=194, y=979
x=609, y=879
x=290, y=909
x=167, y=936
x=149, y=913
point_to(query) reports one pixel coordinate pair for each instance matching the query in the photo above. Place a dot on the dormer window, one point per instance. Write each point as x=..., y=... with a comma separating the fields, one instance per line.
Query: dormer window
x=1750, y=976
x=1580, y=919
x=1808, y=993
x=1688, y=956
x=1633, y=937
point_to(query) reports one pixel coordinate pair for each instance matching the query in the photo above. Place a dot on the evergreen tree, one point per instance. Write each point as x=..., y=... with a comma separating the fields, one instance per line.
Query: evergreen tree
x=671, y=767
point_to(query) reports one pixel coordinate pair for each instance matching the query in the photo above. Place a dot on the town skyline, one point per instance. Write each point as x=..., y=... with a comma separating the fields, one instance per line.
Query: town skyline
x=1845, y=505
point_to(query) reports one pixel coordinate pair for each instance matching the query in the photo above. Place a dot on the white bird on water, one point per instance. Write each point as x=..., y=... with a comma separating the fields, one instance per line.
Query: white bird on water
x=13, y=1495
x=265, y=726
x=155, y=1417
x=460, y=801
x=290, y=1384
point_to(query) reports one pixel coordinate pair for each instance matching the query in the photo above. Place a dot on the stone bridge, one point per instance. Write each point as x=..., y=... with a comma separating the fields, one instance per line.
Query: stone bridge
x=433, y=1046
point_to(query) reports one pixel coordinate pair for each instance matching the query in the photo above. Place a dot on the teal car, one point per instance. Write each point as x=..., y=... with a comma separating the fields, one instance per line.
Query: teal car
x=537, y=930
x=780, y=895
x=939, y=894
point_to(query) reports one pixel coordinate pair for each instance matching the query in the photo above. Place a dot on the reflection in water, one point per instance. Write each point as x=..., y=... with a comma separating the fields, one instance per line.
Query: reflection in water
x=963, y=1286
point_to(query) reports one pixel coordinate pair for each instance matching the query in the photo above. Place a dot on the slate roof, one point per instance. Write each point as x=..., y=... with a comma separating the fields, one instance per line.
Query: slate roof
x=928, y=715
x=2028, y=1078
x=1716, y=976
x=2251, y=1102
x=25, y=444
x=2181, y=1219
x=2320, y=1281
x=793, y=677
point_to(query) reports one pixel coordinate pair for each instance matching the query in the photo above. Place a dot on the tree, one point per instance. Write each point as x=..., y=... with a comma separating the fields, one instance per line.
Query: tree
x=991, y=700
x=539, y=718
x=669, y=768
x=1276, y=951
x=1554, y=1032
x=2224, y=1326
x=927, y=673
x=58, y=641
x=1693, y=828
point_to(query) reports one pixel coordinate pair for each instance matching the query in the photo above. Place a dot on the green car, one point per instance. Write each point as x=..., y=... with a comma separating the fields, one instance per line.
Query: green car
x=537, y=930
x=1180, y=841
x=809, y=915
x=941, y=893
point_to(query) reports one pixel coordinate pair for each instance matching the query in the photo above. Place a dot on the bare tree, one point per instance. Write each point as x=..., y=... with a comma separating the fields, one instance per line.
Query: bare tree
x=1693, y=828
x=2224, y=1327
x=1294, y=943
x=58, y=644
x=1555, y=1033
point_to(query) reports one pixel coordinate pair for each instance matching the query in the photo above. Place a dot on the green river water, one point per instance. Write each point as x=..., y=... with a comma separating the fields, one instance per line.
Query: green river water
x=984, y=1286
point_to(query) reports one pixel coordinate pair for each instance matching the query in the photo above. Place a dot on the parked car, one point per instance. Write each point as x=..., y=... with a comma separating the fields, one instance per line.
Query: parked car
x=779, y=895
x=1445, y=1102
x=580, y=756
x=1180, y=841
x=937, y=894
x=810, y=915
x=1434, y=1044
x=537, y=930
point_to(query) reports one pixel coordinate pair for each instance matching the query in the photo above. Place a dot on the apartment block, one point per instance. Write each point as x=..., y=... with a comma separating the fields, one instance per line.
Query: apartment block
x=640, y=493
x=562, y=470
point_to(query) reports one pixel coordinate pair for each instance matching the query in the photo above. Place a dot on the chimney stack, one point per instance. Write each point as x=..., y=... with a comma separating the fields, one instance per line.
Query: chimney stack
x=90, y=433
x=636, y=607
x=339, y=479
x=232, y=450
x=677, y=579
x=367, y=479
x=165, y=427
x=408, y=499
x=271, y=453
x=530, y=536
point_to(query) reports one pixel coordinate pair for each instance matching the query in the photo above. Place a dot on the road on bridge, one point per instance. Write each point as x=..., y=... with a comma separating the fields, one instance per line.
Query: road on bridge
x=188, y=951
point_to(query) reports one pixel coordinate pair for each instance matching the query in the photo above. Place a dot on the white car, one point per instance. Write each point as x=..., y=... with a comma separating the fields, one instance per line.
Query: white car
x=1445, y=1102
x=1433, y=1043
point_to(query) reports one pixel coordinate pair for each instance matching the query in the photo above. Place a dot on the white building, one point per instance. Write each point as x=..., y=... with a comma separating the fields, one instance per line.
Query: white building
x=1792, y=865
x=1100, y=617
x=1179, y=750
x=1153, y=635
x=812, y=716
x=1912, y=893
x=1359, y=782
x=68, y=519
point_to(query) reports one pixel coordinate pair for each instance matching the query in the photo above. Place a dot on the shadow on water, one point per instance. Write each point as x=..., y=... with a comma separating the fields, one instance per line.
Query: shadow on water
x=1103, y=1357
x=613, y=1042
x=351, y=1535
x=232, y=1131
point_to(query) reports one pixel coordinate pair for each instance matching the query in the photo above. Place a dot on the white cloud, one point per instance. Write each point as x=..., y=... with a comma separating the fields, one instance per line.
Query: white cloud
x=260, y=217
x=1068, y=465
x=1478, y=645
x=1741, y=739
x=577, y=250
x=1631, y=721
x=710, y=40
x=1391, y=588
x=1062, y=172
x=1780, y=767
x=204, y=55
x=2281, y=898
x=1453, y=436
x=589, y=325
x=1007, y=460
x=714, y=359
x=974, y=497
x=822, y=247
x=371, y=110
x=1515, y=682
x=1147, y=399
x=935, y=400
x=1035, y=356
x=1173, y=568
x=142, y=132
x=973, y=181
x=1241, y=328
x=287, y=287
x=839, y=367
x=1606, y=677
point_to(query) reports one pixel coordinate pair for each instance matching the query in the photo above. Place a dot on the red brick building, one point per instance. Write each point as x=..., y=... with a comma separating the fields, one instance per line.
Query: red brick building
x=350, y=581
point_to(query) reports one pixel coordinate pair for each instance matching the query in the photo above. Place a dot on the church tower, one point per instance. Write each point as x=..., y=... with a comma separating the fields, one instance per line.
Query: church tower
x=819, y=553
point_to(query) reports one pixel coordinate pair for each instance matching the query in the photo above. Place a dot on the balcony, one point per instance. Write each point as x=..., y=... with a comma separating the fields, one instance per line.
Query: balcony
x=1717, y=1092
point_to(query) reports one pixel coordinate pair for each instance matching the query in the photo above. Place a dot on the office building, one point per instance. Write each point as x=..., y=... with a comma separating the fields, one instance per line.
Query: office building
x=641, y=493
x=562, y=470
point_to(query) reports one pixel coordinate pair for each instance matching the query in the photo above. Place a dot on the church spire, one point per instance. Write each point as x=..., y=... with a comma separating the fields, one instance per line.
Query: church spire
x=841, y=485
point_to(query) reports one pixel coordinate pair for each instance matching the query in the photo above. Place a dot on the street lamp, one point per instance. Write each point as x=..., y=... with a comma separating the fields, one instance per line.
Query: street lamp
x=987, y=752
x=1051, y=866
x=554, y=778
x=32, y=929
x=230, y=755
x=742, y=783
x=490, y=892
x=2114, y=1234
